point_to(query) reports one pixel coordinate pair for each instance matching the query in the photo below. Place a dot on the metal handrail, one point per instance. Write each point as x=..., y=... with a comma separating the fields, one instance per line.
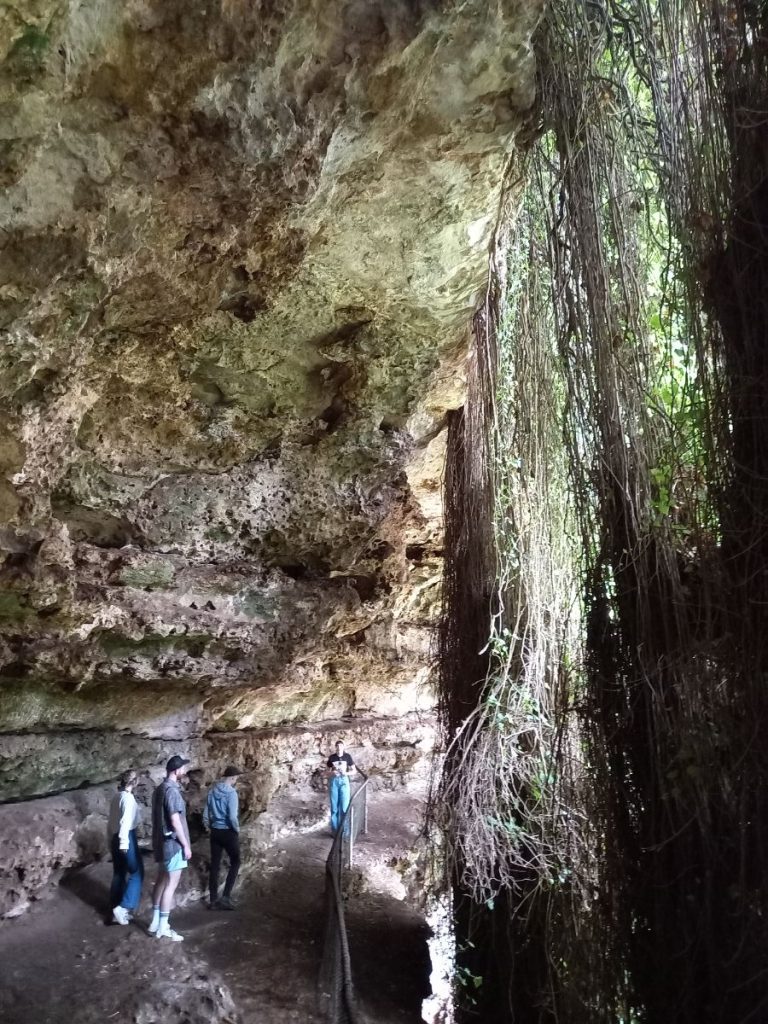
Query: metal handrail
x=351, y=809
x=333, y=868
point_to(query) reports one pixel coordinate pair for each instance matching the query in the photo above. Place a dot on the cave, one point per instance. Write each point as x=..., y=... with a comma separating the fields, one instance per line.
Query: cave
x=389, y=372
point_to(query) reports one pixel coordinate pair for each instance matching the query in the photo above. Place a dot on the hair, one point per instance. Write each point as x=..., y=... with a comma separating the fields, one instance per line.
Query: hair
x=336, y=744
x=128, y=778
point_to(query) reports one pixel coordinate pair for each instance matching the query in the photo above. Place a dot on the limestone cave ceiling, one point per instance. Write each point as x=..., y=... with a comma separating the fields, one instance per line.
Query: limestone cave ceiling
x=242, y=242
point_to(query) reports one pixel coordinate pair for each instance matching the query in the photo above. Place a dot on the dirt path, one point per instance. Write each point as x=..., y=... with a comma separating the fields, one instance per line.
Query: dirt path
x=258, y=965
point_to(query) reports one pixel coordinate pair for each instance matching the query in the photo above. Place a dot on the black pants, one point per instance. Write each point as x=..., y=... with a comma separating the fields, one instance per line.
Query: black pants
x=224, y=839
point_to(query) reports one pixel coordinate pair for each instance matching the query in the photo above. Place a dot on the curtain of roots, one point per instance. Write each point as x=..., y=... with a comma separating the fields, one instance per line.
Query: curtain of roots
x=630, y=884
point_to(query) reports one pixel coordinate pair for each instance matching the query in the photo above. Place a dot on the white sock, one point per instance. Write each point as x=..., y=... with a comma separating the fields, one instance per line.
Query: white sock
x=155, y=916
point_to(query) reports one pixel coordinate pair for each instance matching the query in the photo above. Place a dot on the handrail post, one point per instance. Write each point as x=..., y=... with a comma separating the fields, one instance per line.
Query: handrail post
x=351, y=834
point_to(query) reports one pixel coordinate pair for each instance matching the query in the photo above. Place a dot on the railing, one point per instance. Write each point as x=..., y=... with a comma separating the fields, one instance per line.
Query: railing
x=337, y=995
x=358, y=817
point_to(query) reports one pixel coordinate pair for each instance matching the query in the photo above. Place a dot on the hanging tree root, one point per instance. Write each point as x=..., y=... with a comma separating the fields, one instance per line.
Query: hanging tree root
x=605, y=763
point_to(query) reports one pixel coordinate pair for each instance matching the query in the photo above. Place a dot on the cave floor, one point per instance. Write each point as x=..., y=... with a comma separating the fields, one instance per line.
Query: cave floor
x=62, y=965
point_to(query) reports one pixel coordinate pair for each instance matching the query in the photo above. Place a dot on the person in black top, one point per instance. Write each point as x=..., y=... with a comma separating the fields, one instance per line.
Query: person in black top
x=340, y=768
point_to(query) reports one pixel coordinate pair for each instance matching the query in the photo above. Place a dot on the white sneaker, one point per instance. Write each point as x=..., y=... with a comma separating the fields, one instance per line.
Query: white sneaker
x=169, y=933
x=153, y=926
x=120, y=915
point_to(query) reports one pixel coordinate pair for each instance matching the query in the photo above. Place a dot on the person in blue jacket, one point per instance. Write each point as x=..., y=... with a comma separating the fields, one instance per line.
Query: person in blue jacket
x=221, y=816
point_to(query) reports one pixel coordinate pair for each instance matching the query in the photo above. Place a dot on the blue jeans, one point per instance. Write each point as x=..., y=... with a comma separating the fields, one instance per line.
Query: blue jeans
x=338, y=792
x=128, y=873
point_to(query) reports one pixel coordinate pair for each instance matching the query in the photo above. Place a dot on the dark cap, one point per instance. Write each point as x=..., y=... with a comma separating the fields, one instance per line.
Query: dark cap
x=176, y=762
x=230, y=772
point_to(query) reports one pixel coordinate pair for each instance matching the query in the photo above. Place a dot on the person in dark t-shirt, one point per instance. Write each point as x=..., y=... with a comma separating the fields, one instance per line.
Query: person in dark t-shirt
x=340, y=767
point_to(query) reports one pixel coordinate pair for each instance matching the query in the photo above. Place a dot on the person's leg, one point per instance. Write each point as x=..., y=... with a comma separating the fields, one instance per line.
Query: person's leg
x=335, y=802
x=232, y=844
x=118, y=873
x=142, y=870
x=159, y=886
x=169, y=891
x=166, y=900
x=344, y=798
x=157, y=895
x=132, y=858
x=216, y=850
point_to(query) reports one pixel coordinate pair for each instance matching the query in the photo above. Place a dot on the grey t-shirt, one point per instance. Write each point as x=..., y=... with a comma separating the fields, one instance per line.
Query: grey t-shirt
x=167, y=800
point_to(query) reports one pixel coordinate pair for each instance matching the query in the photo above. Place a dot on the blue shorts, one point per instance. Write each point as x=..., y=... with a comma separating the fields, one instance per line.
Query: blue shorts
x=176, y=863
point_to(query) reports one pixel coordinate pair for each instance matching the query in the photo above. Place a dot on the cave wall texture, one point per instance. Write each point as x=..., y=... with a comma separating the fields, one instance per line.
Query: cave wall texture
x=242, y=242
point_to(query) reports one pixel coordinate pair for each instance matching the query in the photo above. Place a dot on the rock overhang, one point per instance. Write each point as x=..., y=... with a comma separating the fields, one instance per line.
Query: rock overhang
x=242, y=244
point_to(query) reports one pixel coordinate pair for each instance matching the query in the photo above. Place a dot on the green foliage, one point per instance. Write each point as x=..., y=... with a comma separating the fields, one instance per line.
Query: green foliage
x=469, y=982
x=466, y=981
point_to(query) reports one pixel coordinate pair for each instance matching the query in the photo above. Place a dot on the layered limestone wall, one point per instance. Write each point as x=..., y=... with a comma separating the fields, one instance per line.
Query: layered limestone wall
x=242, y=242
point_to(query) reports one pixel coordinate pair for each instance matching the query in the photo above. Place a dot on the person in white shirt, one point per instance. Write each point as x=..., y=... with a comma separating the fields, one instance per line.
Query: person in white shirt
x=128, y=868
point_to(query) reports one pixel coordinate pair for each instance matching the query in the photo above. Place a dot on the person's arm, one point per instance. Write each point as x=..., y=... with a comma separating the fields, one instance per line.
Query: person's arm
x=181, y=835
x=175, y=807
x=127, y=814
x=114, y=816
x=351, y=768
x=233, y=805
